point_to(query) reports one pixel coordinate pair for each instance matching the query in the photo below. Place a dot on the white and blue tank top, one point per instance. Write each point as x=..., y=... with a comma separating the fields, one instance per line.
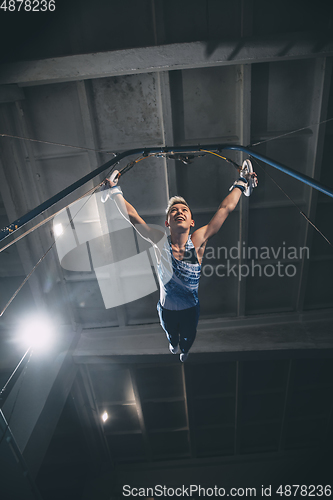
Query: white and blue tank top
x=179, y=279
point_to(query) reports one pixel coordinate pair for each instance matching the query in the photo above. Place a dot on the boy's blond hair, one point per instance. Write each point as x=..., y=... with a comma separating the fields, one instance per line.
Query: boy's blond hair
x=173, y=201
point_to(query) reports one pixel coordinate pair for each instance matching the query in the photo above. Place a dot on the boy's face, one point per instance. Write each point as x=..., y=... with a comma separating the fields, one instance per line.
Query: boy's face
x=179, y=217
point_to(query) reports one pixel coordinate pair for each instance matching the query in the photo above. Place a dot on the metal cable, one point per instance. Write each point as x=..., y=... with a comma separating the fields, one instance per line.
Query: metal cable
x=11, y=136
x=293, y=202
x=288, y=133
x=52, y=143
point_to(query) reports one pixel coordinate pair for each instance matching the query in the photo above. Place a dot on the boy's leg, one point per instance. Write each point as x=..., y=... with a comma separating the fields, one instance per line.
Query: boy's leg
x=170, y=324
x=188, y=327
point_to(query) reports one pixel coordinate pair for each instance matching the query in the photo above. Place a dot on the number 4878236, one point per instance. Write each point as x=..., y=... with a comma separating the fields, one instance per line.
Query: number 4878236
x=28, y=5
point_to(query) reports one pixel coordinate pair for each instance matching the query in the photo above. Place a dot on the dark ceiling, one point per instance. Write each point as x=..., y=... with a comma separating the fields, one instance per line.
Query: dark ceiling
x=253, y=405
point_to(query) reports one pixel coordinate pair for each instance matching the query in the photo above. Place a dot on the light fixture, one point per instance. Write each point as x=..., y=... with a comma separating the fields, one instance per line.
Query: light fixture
x=58, y=229
x=105, y=416
x=37, y=332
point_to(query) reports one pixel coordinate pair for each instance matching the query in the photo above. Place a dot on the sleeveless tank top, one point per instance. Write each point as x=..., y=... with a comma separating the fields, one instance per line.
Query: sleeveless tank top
x=179, y=279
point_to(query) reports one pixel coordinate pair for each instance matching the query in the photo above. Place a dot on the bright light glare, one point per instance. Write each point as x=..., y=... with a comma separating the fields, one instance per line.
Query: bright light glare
x=58, y=229
x=105, y=416
x=37, y=332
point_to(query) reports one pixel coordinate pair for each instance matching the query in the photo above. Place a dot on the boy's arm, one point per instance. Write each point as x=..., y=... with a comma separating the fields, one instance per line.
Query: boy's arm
x=133, y=215
x=201, y=236
x=130, y=212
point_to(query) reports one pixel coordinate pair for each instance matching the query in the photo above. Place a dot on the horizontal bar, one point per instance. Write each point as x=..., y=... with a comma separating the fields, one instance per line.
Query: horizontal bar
x=293, y=173
x=14, y=226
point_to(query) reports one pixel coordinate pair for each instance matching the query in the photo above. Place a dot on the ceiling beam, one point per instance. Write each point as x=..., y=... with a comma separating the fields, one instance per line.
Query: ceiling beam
x=167, y=57
x=89, y=396
x=321, y=94
x=189, y=401
x=164, y=101
x=84, y=91
x=328, y=430
x=234, y=470
x=36, y=192
x=244, y=113
x=238, y=407
x=165, y=108
x=158, y=21
x=287, y=400
x=139, y=409
x=190, y=432
x=213, y=336
x=17, y=198
x=87, y=419
x=88, y=124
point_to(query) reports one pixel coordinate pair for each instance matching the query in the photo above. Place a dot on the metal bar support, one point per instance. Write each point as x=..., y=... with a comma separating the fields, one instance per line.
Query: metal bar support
x=14, y=226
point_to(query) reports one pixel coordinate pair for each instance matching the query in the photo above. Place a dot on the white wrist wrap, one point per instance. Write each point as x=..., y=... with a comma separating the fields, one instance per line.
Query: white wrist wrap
x=114, y=191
